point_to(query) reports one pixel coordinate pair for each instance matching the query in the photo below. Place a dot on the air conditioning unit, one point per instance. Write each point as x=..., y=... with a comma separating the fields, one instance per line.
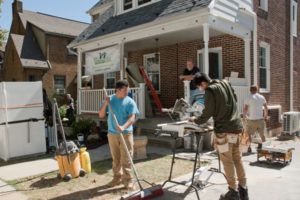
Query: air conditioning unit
x=60, y=90
x=291, y=122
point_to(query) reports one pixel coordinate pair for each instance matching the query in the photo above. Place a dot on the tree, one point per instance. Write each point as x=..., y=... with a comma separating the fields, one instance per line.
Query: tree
x=3, y=32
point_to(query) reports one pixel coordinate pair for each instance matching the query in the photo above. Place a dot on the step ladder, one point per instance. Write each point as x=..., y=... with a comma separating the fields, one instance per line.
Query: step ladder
x=152, y=90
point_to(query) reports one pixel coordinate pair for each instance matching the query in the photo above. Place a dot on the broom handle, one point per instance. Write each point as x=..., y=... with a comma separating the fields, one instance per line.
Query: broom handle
x=123, y=142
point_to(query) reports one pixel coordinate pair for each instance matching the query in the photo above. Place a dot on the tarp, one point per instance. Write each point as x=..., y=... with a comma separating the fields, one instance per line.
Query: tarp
x=136, y=77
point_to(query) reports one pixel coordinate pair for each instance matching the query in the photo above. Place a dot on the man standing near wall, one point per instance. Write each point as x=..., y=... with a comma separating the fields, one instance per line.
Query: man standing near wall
x=221, y=103
x=125, y=110
x=188, y=74
x=255, y=121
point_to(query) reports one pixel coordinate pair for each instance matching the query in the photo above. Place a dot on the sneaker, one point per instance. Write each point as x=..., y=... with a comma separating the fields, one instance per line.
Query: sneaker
x=230, y=195
x=249, y=150
x=114, y=182
x=243, y=193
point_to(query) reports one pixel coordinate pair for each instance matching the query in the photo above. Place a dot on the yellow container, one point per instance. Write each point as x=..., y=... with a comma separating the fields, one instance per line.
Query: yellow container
x=65, y=168
x=85, y=160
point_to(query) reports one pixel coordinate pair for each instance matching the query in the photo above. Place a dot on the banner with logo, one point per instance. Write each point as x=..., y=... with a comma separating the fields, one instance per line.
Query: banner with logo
x=103, y=61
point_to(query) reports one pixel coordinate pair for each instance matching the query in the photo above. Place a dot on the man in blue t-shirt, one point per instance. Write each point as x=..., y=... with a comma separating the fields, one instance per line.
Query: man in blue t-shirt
x=125, y=110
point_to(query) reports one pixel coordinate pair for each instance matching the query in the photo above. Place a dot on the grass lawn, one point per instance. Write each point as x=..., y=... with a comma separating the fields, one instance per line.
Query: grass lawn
x=155, y=169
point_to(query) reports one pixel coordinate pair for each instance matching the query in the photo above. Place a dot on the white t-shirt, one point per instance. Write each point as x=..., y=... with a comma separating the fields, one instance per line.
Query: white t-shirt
x=255, y=104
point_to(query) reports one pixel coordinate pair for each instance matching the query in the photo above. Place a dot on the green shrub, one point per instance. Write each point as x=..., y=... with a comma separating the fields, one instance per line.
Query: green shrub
x=82, y=126
x=62, y=111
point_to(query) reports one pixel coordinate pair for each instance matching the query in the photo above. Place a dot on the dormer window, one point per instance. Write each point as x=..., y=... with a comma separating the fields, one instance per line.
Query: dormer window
x=128, y=5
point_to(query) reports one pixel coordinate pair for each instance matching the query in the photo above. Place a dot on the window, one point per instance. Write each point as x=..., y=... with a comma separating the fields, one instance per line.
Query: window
x=152, y=66
x=60, y=84
x=294, y=19
x=128, y=5
x=263, y=4
x=31, y=78
x=141, y=2
x=110, y=80
x=264, y=67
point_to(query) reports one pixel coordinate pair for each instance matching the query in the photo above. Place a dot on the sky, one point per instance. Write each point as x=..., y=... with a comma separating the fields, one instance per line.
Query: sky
x=70, y=9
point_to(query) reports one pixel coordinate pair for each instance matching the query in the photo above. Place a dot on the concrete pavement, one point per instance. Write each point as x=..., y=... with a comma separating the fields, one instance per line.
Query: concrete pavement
x=265, y=182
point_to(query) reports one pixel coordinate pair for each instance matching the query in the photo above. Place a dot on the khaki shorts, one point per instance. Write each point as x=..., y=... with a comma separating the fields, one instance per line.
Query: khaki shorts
x=254, y=126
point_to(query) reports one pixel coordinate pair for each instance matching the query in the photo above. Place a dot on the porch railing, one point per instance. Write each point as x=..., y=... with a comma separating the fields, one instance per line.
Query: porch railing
x=242, y=93
x=90, y=100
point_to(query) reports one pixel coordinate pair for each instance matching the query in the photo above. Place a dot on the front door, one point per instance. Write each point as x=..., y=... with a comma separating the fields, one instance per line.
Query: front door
x=215, y=62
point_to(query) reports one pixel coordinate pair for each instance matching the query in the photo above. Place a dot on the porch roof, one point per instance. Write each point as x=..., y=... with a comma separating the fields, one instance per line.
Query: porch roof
x=107, y=23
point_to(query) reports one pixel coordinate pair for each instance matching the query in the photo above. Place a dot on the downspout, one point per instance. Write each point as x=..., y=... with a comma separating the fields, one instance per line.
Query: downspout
x=291, y=56
x=254, y=16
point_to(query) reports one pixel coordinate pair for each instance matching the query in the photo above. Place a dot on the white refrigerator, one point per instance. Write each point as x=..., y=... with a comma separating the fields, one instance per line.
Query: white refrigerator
x=22, y=129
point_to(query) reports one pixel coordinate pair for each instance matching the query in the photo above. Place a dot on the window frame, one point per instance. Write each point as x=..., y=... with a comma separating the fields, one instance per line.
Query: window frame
x=54, y=85
x=106, y=77
x=263, y=4
x=152, y=55
x=266, y=46
x=120, y=5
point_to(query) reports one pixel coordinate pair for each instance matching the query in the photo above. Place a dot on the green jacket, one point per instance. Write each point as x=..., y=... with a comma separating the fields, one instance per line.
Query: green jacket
x=220, y=103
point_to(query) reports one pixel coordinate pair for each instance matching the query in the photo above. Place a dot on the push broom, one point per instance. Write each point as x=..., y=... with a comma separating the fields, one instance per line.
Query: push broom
x=148, y=193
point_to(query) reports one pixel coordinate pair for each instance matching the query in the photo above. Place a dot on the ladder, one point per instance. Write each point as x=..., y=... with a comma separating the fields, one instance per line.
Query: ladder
x=153, y=92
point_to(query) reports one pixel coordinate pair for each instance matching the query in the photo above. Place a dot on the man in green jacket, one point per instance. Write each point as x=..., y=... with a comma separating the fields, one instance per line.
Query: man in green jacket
x=220, y=103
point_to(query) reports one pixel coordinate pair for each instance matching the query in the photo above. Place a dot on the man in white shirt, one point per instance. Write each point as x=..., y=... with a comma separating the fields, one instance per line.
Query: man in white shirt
x=254, y=105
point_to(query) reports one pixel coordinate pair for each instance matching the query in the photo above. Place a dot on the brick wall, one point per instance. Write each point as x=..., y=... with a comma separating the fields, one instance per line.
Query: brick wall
x=62, y=65
x=274, y=28
x=173, y=62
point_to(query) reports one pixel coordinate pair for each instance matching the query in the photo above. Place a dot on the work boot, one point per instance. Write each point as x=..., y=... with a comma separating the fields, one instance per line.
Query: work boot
x=243, y=193
x=230, y=195
x=114, y=182
x=129, y=185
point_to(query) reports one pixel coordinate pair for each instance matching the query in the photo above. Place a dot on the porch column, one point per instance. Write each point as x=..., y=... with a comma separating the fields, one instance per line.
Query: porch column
x=79, y=84
x=141, y=101
x=187, y=90
x=247, y=61
x=122, y=70
x=206, y=51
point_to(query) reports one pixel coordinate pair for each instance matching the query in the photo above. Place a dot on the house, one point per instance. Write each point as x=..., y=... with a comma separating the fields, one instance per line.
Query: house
x=36, y=50
x=256, y=38
x=2, y=55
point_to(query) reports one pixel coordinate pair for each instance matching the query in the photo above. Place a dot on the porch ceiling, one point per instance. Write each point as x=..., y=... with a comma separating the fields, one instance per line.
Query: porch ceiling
x=169, y=39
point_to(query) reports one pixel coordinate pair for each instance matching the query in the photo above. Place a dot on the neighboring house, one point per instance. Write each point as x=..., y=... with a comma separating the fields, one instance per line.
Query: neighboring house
x=36, y=50
x=258, y=39
x=2, y=55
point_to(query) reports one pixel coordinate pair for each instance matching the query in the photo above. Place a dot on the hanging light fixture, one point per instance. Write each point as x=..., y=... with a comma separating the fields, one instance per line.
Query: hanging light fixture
x=156, y=50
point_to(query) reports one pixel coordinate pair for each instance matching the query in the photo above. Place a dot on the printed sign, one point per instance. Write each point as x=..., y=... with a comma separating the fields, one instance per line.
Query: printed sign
x=103, y=61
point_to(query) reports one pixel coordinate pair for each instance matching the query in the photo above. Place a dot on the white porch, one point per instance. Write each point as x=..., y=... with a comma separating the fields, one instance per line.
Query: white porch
x=221, y=17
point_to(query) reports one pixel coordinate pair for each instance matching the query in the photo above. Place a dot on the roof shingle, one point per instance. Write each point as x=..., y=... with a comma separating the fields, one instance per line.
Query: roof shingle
x=107, y=23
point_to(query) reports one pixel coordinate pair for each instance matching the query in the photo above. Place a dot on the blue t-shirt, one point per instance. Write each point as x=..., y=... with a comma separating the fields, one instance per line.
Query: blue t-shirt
x=123, y=108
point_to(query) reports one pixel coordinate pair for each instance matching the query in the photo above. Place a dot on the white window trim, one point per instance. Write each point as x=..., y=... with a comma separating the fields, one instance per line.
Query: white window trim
x=294, y=22
x=105, y=79
x=120, y=6
x=264, y=5
x=267, y=47
x=144, y=62
x=212, y=50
